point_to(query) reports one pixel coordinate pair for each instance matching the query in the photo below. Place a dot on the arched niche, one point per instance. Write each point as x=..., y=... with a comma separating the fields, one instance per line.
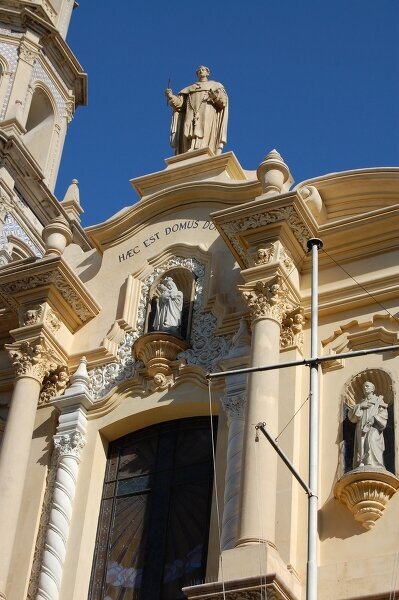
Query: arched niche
x=40, y=126
x=353, y=393
x=185, y=283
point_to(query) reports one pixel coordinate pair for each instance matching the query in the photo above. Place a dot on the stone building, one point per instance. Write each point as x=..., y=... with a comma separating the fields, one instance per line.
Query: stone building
x=124, y=471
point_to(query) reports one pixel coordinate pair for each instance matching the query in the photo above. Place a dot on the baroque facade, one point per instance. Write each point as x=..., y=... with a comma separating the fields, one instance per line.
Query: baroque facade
x=126, y=472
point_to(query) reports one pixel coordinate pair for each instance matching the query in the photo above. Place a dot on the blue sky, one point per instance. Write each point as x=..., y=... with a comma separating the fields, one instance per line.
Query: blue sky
x=316, y=79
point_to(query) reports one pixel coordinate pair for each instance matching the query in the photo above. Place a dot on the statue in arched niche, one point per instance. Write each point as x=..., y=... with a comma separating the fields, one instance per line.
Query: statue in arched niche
x=169, y=307
x=370, y=416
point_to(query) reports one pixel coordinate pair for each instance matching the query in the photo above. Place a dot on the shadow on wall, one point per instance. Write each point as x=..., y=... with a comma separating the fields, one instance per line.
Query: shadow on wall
x=336, y=521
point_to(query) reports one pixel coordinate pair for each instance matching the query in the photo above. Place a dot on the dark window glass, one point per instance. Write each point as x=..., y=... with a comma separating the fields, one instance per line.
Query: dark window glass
x=152, y=536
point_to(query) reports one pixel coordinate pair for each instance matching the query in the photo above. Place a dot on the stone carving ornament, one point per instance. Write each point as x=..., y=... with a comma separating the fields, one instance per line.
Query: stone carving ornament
x=234, y=405
x=285, y=213
x=32, y=359
x=70, y=444
x=268, y=299
x=59, y=282
x=200, y=113
x=54, y=384
x=204, y=349
x=292, y=329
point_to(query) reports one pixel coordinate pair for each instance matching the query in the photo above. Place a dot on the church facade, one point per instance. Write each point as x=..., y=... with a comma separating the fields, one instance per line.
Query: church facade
x=130, y=464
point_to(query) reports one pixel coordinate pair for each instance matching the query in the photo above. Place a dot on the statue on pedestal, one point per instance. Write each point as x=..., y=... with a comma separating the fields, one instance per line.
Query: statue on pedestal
x=200, y=113
x=169, y=307
x=371, y=417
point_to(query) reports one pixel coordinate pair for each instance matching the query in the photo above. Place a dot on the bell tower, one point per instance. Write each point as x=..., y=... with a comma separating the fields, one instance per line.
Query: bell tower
x=41, y=85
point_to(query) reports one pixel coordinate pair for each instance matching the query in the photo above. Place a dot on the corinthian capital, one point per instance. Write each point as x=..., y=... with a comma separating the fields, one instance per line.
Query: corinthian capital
x=31, y=359
x=268, y=300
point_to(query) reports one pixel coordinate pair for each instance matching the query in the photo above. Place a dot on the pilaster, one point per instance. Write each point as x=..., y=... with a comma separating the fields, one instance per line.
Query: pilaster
x=69, y=441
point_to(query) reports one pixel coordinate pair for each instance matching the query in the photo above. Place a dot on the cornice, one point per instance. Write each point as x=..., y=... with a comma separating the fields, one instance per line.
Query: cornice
x=191, y=166
x=346, y=194
x=244, y=226
x=185, y=196
x=54, y=277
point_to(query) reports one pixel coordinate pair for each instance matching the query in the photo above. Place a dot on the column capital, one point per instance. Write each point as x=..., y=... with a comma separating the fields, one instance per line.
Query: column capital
x=32, y=358
x=69, y=444
x=268, y=299
x=234, y=405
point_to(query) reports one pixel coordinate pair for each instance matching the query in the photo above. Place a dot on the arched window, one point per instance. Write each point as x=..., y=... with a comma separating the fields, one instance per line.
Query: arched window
x=152, y=535
x=39, y=127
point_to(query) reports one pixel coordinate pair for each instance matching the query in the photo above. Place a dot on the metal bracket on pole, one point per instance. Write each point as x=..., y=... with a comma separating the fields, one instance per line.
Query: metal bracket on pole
x=262, y=427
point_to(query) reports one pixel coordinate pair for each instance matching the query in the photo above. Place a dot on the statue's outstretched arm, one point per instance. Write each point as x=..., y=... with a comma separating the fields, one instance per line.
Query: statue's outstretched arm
x=175, y=102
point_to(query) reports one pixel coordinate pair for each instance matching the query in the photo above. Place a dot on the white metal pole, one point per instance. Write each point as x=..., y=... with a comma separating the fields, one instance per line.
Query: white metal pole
x=314, y=245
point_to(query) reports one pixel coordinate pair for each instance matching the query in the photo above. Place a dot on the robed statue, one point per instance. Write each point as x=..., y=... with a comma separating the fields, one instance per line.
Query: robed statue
x=169, y=307
x=200, y=113
x=371, y=417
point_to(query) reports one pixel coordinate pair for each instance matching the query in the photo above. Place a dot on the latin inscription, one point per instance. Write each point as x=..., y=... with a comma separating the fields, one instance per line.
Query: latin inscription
x=152, y=239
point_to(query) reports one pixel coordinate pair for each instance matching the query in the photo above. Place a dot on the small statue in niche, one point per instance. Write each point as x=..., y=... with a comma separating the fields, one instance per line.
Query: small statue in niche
x=371, y=417
x=169, y=307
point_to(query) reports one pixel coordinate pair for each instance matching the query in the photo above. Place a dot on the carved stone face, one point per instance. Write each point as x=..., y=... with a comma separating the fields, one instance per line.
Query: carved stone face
x=202, y=72
x=368, y=387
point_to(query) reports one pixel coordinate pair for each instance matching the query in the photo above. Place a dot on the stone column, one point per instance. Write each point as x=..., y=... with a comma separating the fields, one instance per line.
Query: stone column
x=32, y=363
x=234, y=401
x=68, y=443
x=268, y=304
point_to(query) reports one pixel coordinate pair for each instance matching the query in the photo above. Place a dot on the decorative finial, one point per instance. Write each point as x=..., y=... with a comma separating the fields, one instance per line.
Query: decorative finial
x=80, y=379
x=71, y=201
x=57, y=236
x=274, y=175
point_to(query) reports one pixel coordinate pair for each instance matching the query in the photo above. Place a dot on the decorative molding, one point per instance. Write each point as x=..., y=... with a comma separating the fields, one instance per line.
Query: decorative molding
x=205, y=347
x=59, y=281
x=28, y=53
x=32, y=359
x=54, y=384
x=366, y=492
x=52, y=320
x=40, y=74
x=250, y=588
x=268, y=299
x=284, y=213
